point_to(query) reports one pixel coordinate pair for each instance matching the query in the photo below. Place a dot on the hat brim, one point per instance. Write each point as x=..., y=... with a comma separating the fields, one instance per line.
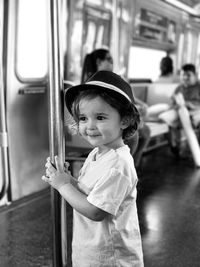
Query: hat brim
x=73, y=92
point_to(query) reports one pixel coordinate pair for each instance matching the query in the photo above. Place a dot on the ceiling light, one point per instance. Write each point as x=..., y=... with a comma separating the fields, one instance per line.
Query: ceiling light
x=183, y=6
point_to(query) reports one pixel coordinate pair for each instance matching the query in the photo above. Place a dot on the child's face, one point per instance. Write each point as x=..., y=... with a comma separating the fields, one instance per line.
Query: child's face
x=100, y=124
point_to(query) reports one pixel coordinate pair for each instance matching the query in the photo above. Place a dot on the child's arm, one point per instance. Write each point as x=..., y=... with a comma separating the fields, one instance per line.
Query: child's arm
x=63, y=182
x=79, y=202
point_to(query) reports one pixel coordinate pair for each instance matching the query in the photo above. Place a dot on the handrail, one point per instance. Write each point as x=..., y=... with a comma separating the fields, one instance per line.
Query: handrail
x=56, y=138
x=4, y=163
x=3, y=126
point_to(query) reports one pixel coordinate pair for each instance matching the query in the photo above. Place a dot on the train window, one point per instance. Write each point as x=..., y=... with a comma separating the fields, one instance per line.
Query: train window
x=144, y=63
x=90, y=29
x=124, y=15
x=31, y=51
x=180, y=52
x=198, y=56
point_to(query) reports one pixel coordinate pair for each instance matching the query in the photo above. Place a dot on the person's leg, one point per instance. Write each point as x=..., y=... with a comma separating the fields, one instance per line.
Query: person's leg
x=195, y=118
x=171, y=118
x=175, y=139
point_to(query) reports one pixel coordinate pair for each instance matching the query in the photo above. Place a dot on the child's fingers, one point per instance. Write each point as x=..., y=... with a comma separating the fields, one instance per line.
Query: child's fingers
x=48, y=173
x=50, y=163
x=45, y=179
x=48, y=159
x=66, y=166
x=49, y=166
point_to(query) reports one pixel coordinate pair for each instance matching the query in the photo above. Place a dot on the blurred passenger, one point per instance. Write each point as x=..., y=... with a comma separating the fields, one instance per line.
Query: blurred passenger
x=167, y=71
x=105, y=221
x=190, y=89
x=101, y=59
x=144, y=133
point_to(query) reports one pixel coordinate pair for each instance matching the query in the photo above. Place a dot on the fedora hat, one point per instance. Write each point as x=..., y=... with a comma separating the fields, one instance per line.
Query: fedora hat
x=100, y=80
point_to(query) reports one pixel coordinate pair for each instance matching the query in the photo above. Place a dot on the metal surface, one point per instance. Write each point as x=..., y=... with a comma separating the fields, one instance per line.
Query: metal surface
x=26, y=119
x=4, y=178
x=56, y=130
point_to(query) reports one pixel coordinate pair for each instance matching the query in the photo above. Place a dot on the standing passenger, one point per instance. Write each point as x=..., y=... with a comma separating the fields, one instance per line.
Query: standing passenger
x=105, y=227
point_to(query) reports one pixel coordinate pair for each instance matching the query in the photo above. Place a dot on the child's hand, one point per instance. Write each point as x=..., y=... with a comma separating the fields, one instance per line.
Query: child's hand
x=56, y=177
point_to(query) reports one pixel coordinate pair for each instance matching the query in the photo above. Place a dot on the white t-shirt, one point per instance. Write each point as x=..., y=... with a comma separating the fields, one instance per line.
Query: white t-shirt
x=110, y=184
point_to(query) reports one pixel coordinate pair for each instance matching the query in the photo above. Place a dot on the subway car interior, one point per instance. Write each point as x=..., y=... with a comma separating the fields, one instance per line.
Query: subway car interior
x=43, y=44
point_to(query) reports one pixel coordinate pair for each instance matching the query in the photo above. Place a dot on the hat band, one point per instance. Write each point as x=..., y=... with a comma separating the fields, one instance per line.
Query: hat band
x=109, y=86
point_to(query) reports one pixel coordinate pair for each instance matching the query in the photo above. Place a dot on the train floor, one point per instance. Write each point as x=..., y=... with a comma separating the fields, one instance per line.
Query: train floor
x=168, y=208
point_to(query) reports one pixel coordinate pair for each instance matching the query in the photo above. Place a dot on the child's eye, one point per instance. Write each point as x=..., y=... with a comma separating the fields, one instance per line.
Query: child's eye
x=82, y=118
x=100, y=117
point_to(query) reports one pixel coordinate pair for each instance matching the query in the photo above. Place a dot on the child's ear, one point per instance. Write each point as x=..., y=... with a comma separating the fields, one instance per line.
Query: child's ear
x=125, y=123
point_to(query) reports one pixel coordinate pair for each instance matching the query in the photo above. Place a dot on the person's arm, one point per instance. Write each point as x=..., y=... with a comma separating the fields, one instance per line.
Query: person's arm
x=174, y=95
x=66, y=185
x=79, y=202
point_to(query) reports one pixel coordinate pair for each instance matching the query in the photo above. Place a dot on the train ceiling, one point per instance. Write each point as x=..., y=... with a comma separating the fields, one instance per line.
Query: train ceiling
x=192, y=7
x=191, y=3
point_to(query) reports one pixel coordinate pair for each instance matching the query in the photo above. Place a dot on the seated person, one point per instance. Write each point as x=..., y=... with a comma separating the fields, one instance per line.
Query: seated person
x=167, y=71
x=99, y=59
x=144, y=133
x=190, y=89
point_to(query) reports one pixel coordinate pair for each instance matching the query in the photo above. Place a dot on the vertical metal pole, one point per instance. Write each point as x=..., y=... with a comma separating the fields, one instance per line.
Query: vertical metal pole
x=3, y=125
x=55, y=120
x=3, y=138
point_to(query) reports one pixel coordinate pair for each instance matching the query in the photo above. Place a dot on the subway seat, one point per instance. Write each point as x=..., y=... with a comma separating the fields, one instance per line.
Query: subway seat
x=157, y=128
x=158, y=98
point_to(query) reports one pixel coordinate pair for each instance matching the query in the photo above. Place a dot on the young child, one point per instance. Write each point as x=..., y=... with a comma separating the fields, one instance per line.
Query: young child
x=101, y=59
x=105, y=221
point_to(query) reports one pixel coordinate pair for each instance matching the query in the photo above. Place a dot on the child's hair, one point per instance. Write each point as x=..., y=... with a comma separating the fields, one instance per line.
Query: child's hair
x=90, y=62
x=125, y=108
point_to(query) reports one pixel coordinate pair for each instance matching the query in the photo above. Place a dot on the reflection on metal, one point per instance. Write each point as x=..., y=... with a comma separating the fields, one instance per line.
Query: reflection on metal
x=3, y=142
x=3, y=128
x=33, y=90
x=3, y=139
x=56, y=125
x=26, y=117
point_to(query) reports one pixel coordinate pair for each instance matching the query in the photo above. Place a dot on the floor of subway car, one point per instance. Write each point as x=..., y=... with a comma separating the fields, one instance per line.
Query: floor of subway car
x=25, y=232
x=169, y=214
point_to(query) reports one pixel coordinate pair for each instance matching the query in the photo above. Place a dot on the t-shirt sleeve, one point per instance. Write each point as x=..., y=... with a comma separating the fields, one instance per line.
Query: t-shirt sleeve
x=110, y=191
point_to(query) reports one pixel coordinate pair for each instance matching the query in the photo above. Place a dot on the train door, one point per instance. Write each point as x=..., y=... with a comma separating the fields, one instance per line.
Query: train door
x=24, y=84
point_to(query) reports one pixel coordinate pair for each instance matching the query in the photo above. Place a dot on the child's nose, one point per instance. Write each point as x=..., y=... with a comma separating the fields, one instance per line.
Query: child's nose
x=91, y=124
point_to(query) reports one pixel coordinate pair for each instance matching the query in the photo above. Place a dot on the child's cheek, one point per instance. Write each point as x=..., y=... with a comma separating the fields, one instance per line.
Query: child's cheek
x=82, y=129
